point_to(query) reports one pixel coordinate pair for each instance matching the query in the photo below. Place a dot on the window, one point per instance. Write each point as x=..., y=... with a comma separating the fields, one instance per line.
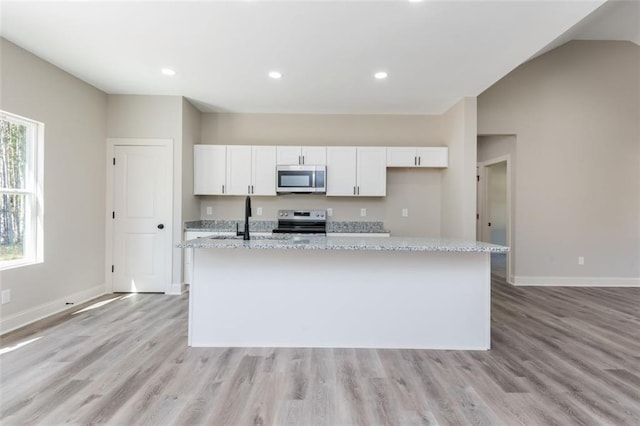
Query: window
x=20, y=191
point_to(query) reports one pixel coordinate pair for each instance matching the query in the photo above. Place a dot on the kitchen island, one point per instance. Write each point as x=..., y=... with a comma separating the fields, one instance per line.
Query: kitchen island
x=366, y=292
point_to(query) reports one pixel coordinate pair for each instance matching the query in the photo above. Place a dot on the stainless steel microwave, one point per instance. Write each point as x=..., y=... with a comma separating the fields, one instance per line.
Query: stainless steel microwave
x=301, y=179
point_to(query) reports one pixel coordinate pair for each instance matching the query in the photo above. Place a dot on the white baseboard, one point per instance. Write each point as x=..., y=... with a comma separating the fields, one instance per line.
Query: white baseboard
x=176, y=289
x=576, y=281
x=36, y=313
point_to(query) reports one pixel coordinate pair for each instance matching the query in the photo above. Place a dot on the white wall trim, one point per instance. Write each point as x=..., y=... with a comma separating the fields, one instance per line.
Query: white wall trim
x=111, y=144
x=36, y=313
x=176, y=289
x=577, y=281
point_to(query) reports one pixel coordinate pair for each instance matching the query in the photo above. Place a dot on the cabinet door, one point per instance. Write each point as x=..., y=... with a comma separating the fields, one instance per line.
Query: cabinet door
x=372, y=171
x=314, y=155
x=238, y=169
x=401, y=157
x=263, y=170
x=341, y=170
x=289, y=155
x=209, y=169
x=437, y=156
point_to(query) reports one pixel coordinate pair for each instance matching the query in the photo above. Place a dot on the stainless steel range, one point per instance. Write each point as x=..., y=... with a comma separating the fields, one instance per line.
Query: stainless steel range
x=302, y=222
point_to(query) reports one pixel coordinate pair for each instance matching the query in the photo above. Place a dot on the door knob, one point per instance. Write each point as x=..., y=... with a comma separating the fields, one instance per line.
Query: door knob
x=161, y=226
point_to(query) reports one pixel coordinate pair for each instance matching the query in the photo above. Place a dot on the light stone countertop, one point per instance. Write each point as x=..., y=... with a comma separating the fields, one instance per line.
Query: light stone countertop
x=283, y=242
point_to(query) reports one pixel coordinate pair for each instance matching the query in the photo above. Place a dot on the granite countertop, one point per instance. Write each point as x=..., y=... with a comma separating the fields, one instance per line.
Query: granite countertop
x=229, y=225
x=282, y=242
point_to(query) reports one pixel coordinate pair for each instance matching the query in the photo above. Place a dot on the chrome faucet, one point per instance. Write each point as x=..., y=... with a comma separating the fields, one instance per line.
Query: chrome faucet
x=247, y=215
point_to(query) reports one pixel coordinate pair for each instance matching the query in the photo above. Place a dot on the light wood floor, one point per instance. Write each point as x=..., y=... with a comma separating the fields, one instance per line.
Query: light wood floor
x=560, y=356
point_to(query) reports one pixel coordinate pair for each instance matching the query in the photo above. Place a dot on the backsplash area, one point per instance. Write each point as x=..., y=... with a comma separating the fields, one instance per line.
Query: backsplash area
x=231, y=225
x=417, y=191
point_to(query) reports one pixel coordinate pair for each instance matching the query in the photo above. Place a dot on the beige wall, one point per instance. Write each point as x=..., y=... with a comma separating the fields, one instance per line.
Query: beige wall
x=575, y=112
x=135, y=116
x=459, y=179
x=74, y=115
x=417, y=190
x=190, y=136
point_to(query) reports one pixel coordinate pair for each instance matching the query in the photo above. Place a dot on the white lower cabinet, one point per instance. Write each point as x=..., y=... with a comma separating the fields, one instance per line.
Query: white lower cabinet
x=356, y=171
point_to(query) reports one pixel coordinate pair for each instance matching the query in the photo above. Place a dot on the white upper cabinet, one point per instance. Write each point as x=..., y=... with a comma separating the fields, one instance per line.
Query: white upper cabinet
x=299, y=155
x=437, y=156
x=341, y=170
x=356, y=171
x=251, y=170
x=263, y=170
x=234, y=170
x=238, y=170
x=209, y=169
x=372, y=172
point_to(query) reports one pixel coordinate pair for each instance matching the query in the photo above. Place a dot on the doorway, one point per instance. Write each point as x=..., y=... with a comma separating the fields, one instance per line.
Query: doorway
x=494, y=209
x=139, y=199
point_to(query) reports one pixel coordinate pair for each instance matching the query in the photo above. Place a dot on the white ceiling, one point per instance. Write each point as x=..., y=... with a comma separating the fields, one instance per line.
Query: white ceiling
x=435, y=52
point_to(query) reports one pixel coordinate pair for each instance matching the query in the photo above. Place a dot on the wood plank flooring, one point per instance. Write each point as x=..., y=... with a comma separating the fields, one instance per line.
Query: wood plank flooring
x=561, y=356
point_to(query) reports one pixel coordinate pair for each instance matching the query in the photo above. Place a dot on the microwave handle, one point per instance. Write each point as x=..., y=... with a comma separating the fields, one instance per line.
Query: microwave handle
x=313, y=178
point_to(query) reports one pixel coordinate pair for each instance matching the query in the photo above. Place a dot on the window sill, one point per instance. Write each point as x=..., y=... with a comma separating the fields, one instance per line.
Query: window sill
x=13, y=264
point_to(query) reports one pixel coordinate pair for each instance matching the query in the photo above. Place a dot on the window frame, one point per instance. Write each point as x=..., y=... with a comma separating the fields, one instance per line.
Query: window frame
x=32, y=191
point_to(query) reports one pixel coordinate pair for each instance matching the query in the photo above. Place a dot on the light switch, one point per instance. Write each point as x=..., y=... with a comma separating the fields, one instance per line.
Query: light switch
x=405, y=212
x=329, y=211
x=363, y=212
x=259, y=209
x=209, y=210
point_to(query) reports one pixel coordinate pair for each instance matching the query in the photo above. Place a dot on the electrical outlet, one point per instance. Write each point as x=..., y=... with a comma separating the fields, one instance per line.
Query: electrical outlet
x=405, y=212
x=329, y=211
x=363, y=212
x=259, y=211
x=209, y=210
x=6, y=296
x=580, y=260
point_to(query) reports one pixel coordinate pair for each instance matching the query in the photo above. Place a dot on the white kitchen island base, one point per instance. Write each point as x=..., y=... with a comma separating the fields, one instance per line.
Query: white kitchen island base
x=340, y=298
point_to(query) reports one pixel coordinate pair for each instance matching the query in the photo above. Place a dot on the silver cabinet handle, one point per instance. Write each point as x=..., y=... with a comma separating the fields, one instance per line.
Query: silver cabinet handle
x=223, y=189
x=419, y=160
x=303, y=159
x=252, y=189
x=299, y=159
x=415, y=161
x=354, y=190
x=358, y=190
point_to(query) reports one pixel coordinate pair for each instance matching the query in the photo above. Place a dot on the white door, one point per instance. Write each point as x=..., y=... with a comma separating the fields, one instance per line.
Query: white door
x=142, y=219
x=341, y=170
x=372, y=171
x=263, y=170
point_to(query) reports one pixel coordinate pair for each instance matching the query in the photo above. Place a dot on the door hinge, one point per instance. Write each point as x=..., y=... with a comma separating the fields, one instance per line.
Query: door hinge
x=478, y=178
x=477, y=216
x=113, y=215
x=113, y=268
x=114, y=161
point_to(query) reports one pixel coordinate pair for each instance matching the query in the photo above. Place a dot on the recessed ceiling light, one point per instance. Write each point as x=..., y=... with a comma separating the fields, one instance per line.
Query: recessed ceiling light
x=381, y=75
x=415, y=1
x=277, y=75
x=168, y=71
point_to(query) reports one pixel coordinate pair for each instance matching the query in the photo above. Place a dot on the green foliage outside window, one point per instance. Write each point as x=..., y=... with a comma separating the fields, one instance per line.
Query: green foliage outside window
x=13, y=172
